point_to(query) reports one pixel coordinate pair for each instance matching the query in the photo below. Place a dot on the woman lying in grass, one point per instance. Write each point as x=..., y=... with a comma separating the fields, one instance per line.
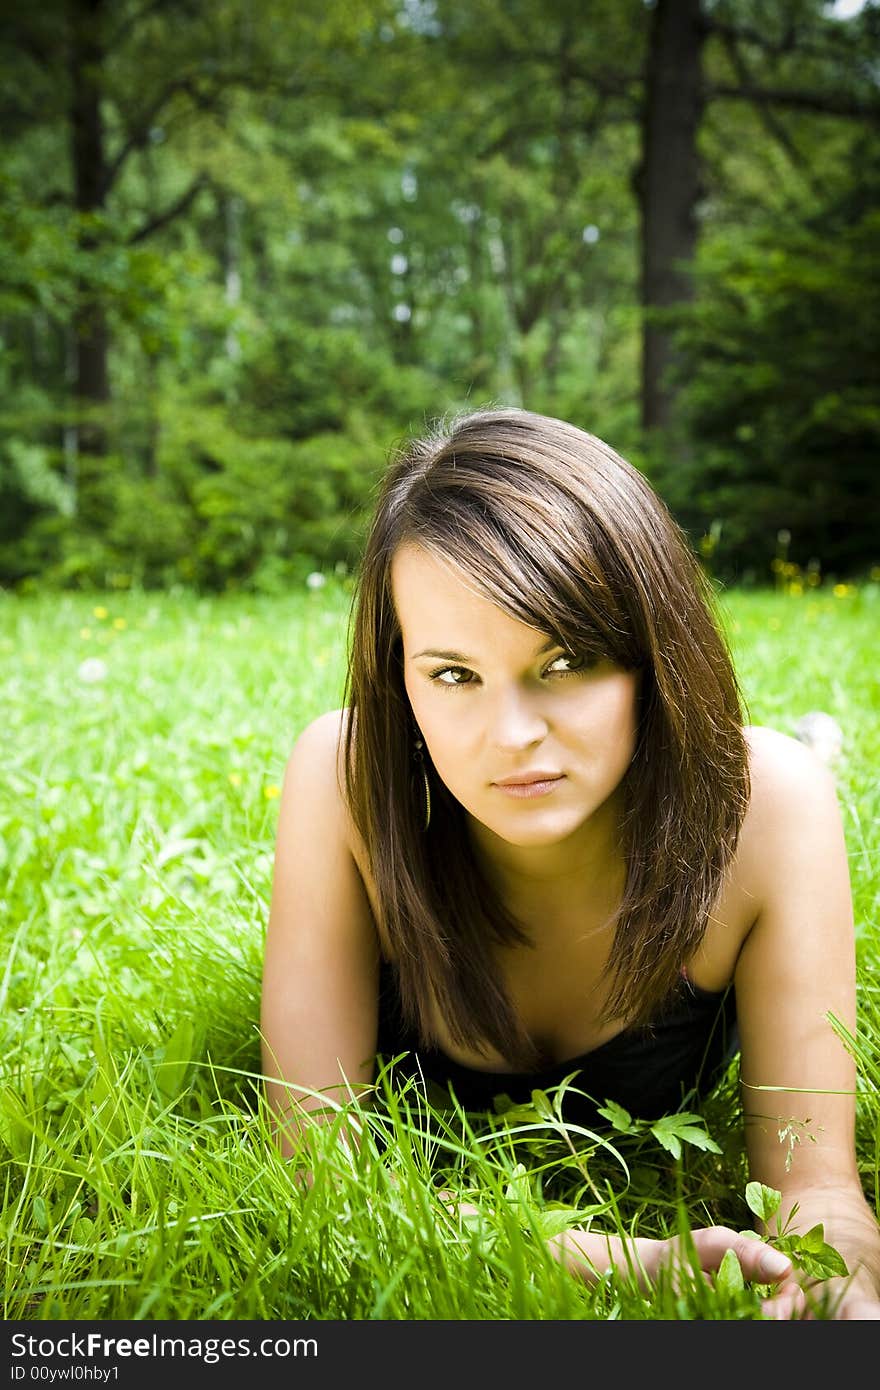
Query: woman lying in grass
x=538, y=839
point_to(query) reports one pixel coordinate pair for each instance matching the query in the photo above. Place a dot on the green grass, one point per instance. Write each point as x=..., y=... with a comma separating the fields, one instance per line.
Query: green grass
x=138, y=812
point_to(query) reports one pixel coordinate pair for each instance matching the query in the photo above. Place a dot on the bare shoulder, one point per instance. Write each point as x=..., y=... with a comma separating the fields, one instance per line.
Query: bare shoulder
x=781, y=766
x=322, y=735
x=317, y=757
x=793, y=799
x=317, y=764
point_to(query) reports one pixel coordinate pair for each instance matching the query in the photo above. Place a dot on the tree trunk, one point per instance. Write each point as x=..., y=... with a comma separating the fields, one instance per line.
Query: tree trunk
x=232, y=213
x=668, y=185
x=91, y=382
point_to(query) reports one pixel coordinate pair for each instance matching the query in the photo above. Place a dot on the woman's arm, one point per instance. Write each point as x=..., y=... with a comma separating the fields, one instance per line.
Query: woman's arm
x=797, y=967
x=320, y=970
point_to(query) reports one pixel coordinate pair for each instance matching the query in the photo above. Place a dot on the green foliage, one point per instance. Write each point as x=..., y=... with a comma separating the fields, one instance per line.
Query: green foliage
x=809, y=1252
x=321, y=226
x=670, y=1131
x=762, y=1200
x=777, y=397
x=37, y=264
x=224, y=508
x=729, y=1279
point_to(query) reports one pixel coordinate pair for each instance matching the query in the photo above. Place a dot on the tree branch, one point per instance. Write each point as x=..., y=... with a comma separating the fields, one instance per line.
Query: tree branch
x=773, y=126
x=203, y=97
x=162, y=219
x=139, y=132
x=788, y=43
x=116, y=39
x=830, y=104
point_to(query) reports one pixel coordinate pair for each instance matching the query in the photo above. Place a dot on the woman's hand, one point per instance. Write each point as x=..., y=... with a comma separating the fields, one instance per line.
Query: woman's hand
x=590, y=1254
x=856, y=1301
x=849, y=1227
x=838, y=1299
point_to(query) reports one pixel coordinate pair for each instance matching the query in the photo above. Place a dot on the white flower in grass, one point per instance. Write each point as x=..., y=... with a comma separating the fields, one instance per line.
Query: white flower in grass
x=822, y=733
x=92, y=670
x=315, y=580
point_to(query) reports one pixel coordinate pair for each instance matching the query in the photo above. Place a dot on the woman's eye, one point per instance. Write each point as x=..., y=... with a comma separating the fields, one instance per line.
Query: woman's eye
x=452, y=676
x=572, y=661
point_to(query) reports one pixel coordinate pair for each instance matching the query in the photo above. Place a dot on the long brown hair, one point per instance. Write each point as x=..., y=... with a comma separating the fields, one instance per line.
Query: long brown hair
x=565, y=536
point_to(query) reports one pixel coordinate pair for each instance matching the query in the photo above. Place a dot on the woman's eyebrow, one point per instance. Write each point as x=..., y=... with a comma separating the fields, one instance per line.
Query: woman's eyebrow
x=461, y=659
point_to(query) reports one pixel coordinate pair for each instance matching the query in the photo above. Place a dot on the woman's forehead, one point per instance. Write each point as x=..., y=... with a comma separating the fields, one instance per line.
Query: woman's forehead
x=444, y=613
x=417, y=566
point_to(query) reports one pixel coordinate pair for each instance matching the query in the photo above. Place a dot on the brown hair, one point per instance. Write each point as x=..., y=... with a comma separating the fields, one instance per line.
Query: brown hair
x=566, y=536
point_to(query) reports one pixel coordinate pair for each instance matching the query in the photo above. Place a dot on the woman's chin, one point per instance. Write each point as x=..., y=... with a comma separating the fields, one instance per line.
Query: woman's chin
x=532, y=830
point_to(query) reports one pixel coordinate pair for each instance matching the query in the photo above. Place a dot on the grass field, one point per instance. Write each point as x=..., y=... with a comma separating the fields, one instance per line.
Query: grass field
x=143, y=746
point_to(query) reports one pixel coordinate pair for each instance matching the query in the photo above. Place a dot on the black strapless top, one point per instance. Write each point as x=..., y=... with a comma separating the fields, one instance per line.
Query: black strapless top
x=650, y=1071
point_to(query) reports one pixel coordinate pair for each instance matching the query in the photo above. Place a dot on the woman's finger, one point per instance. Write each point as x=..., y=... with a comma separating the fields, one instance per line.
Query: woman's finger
x=451, y=1204
x=759, y=1262
x=787, y=1303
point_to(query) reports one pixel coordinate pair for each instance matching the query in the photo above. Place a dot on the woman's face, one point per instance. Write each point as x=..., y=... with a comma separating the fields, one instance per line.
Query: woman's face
x=500, y=705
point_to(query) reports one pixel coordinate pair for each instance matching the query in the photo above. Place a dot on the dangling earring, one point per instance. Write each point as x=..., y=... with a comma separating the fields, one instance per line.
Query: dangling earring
x=419, y=758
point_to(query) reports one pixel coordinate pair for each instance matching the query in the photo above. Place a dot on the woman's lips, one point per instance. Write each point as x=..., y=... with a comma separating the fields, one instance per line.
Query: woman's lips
x=522, y=790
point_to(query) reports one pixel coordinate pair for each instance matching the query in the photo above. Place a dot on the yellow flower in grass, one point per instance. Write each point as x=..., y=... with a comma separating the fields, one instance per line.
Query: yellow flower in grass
x=100, y=612
x=271, y=792
x=841, y=590
x=235, y=778
x=119, y=623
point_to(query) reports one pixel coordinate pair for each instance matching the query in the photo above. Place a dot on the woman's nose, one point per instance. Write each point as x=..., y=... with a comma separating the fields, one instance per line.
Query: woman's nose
x=517, y=722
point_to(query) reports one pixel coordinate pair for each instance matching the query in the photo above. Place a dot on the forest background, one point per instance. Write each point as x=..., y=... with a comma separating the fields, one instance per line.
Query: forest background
x=246, y=246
